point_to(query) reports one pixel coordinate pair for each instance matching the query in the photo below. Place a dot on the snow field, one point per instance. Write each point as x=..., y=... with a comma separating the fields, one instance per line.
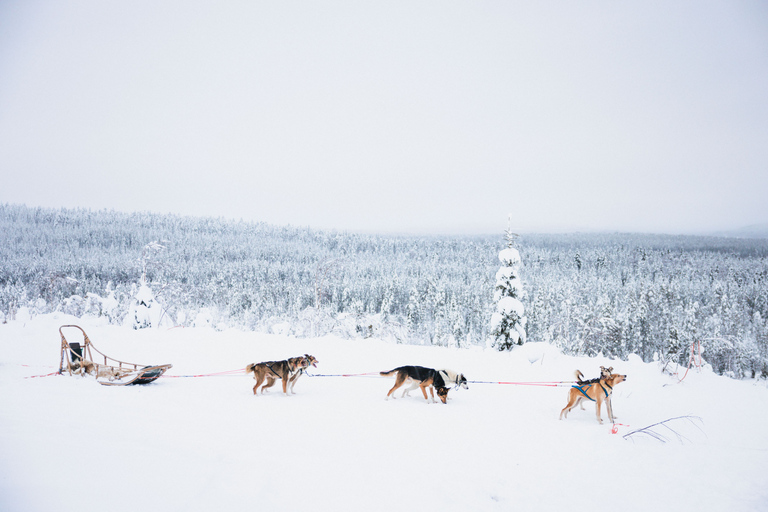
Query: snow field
x=207, y=443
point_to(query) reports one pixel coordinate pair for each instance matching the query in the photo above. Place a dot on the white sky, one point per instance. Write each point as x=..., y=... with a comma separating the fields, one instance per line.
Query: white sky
x=408, y=116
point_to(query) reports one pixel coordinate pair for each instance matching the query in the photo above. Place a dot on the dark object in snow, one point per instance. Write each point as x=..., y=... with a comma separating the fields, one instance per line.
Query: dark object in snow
x=661, y=431
x=77, y=358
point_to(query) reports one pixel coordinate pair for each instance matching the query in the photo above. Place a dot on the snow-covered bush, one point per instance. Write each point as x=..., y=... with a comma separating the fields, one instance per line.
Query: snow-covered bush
x=145, y=311
x=74, y=305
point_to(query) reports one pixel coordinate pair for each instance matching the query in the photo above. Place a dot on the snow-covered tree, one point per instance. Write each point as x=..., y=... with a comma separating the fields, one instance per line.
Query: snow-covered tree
x=145, y=311
x=508, y=321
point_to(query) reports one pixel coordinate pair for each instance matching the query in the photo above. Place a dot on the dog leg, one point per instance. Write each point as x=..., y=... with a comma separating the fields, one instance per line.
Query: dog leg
x=407, y=392
x=392, y=391
x=269, y=384
x=573, y=400
x=399, y=381
x=597, y=410
x=424, y=391
x=285, y=385
x=259, y=380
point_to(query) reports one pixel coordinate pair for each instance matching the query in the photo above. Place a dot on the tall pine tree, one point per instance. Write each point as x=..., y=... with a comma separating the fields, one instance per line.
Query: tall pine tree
x=508, y=321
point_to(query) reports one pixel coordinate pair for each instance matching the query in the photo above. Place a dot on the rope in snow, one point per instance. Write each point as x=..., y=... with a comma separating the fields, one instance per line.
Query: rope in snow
x=227, y=373
x=552, y=384
x=369, y=374
x=39, y=366
x=241, y=371
x=45, y=375
x=559, y=383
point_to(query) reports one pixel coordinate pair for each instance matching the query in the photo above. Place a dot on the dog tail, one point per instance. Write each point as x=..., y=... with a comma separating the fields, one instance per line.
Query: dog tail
x=579, y=376
x=250, y=368
x=387, y=374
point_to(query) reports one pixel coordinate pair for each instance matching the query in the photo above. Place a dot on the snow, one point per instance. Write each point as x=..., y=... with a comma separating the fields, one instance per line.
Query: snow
x=509, y=257
x=145, y=310
x=508, y=305
x=206, y=443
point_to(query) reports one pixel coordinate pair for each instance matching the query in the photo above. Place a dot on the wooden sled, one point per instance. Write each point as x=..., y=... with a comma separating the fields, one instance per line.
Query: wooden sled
x=77, y=359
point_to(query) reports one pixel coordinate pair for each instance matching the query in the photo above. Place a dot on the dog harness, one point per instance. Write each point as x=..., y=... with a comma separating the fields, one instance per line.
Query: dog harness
x=291, y=373
x=581, y=388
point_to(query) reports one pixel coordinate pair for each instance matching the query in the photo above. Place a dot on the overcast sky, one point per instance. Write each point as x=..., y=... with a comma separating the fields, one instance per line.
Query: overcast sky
x=391, y=116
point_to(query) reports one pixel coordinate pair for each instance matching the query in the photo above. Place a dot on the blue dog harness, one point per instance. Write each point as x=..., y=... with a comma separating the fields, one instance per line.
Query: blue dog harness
x=581, y=388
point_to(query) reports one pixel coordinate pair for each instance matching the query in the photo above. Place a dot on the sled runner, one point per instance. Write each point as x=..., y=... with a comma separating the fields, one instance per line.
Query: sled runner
x=77, y=359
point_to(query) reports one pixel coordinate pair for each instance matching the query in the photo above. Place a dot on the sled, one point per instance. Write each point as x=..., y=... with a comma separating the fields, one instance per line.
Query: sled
x=77, y=359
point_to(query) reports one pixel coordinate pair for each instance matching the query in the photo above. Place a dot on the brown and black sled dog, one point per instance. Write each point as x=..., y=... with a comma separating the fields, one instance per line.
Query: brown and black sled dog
x=308, y=361
x=597, y=390
x=422, y=377
x=269, y=371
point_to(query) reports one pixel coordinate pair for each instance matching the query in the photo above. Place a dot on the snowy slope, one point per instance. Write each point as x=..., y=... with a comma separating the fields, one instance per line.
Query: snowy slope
x=206, y=443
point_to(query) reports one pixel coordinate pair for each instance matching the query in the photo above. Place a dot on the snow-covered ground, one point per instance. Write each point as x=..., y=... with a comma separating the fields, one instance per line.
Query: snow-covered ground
x=206, y=443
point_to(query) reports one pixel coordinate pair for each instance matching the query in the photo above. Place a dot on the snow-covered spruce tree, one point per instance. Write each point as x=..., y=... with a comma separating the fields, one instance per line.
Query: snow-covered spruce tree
x=508, y=321
x=145, y=310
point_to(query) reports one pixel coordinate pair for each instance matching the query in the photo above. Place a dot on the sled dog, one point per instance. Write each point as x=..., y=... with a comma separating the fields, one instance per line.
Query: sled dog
x=422, y=377
x=598, y=392
x=306, y=362
x=450, y=377
x=605, y=373
x=273, y=370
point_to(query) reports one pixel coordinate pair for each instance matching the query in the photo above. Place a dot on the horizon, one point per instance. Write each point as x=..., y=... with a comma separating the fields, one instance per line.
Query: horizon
x=757, y=231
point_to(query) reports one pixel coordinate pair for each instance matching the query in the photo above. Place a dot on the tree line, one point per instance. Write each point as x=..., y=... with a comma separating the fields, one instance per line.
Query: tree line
x=611, y=294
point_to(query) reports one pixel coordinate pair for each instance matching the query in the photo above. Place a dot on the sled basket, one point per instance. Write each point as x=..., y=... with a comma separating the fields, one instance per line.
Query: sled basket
x=77, y=359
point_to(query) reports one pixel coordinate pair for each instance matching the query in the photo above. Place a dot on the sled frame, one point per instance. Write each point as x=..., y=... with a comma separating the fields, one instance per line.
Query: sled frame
x=77, y=359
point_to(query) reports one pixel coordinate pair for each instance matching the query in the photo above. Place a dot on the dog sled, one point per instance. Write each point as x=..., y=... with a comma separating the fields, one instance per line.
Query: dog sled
x=77, y=359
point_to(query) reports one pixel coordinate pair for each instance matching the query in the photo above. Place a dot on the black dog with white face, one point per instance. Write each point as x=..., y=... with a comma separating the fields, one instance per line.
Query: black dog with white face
x=453, y=378
x=419, y=376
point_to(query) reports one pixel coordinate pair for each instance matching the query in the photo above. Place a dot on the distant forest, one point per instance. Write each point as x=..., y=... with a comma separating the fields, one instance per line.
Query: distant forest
x=614, y=294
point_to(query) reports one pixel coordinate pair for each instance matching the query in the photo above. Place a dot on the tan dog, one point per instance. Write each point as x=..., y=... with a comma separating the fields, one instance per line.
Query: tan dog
x=598, y=392
x=605, y=373
x=273, y=370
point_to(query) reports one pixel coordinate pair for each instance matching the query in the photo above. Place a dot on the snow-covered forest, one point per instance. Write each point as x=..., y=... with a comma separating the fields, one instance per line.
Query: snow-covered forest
x=614, y=294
